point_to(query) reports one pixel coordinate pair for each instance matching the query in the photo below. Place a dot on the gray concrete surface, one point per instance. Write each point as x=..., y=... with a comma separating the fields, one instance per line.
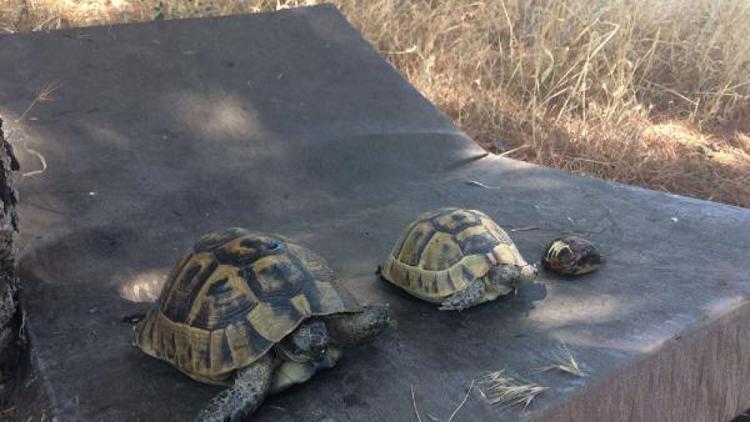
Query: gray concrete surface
x=290, y=122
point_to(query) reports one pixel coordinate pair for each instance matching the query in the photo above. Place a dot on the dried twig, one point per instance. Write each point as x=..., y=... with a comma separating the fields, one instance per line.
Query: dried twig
x=409, y=50
x=511, y=151
x=588, y=160
x=480, y=184
x=525, y=229
x=41, y=25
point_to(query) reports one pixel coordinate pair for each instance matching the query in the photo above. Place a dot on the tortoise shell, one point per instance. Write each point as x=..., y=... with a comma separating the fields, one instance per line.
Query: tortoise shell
x=445, y=250
x=234, y=296
x=572, y=255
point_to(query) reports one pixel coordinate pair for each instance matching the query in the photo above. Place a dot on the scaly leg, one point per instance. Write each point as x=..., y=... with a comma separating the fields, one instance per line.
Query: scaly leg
x=472, y=295
x=354, y=328
x=242, y=399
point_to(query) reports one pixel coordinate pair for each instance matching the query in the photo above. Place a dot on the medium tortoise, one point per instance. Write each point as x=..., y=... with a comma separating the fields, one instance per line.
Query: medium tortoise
x=572, y=255
x=256, y=312
x=456, y=257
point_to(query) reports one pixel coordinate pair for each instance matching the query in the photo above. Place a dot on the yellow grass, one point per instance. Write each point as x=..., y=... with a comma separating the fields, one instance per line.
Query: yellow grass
x=654, y=93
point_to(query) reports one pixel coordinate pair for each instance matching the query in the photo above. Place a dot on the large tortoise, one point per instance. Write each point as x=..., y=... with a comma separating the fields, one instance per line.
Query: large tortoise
x=256, y=312
x=456, y=257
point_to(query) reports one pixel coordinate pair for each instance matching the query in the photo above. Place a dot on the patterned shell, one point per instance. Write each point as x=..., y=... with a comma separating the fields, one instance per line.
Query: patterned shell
x=231, y=298
x=444, y=250
x=572, y=255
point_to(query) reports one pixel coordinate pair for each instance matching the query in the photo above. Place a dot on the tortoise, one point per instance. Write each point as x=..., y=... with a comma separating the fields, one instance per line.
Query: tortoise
x=456, y=257
x=572, y=255
x=256, y=312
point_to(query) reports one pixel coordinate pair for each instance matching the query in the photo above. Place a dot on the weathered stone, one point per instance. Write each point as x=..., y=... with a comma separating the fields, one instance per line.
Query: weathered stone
x=9, y=314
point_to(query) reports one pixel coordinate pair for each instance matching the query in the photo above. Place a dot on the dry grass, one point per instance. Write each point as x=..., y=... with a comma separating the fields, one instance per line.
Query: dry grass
x=563, y=362
x=651, y=93
x=463, y=402
x=43, y=96
x=453, y=414
x=504, y=390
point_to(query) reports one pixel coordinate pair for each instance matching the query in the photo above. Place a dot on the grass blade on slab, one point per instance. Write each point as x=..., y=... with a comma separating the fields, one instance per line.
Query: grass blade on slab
x=502, y=389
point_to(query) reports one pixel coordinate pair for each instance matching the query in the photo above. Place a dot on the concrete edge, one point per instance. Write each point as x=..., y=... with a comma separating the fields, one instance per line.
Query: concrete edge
x=698, y=376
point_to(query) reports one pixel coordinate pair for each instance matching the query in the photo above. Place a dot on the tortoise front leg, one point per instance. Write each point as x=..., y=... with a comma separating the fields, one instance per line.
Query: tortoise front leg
x=236, y=403
x=355, y=328
x=473, y=294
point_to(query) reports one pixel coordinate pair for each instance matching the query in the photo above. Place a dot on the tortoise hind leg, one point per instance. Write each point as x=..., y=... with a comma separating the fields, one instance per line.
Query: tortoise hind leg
x=473, y=294
x=236, y=403
x=355, y=328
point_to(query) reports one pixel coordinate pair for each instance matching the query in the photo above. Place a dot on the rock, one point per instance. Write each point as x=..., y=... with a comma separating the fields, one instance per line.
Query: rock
x=9, y=312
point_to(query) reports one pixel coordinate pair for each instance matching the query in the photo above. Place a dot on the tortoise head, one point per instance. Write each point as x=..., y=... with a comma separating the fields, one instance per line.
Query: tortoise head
x=307, y=343
x=512, y=275
x=528, y=273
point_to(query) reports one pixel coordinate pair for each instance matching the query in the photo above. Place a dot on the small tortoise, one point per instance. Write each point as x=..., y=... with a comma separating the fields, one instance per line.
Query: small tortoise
x=572, y=255
x=456, y=257
x=256, y=312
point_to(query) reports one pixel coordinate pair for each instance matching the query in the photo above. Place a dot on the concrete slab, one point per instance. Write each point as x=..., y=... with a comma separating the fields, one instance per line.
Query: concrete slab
x=290, y=122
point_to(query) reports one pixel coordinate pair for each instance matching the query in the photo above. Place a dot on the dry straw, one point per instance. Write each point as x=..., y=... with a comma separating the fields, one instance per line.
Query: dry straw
x=453, y=414
x=502, y=389
x=563, y=361
x=44, y=95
